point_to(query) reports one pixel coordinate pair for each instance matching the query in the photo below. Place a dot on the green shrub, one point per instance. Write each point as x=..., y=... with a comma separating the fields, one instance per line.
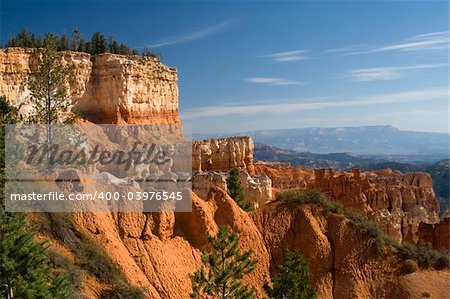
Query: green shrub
x=314, y=197
x=92, y=257
x=293, y=280
x=61, y=226
x=368, y=227
x=74, y=273
x=442, y=262
x=123, y=292
x=302, y=196
x=95, y=261
x=425, y=256
x=236, y=191
x=410, y=266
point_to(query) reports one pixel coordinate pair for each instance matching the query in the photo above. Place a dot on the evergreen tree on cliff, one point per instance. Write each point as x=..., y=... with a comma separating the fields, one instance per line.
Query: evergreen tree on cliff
x=8, y=115
x=293, y=280
x=236, y=191
x=63, y=43
x=48, y=88
x=25, y=38
x=98, y=44
x=223, y=267
x=47, y=85
x=25, y=270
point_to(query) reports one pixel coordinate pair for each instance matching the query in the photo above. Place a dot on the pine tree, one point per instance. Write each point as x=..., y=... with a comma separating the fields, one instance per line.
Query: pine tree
x=114, y=47
x=236, y=191
x=25, y=270
x=82, y=46
x=23, y=39
x=39, y=42
x=293, y=280
x=49, y=94
x=223, y=267
x=98, y=44
x=11, y=42
x=63, y=44
x=8, y=115
x=88, y=47
x=124, y=49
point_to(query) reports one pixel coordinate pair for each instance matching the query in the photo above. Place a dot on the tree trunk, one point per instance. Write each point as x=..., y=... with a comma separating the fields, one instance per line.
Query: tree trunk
x=48, y=112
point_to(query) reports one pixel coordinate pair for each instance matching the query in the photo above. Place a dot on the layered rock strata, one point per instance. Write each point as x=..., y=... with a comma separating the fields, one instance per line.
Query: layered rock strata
x=108, y=88
x=403, y=205
x=223, y=154
x=158, y=251
x=257, y=189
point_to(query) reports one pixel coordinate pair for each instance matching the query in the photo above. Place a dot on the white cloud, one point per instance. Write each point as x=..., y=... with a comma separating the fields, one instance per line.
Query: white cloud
x=433, y=41
x=388, y=73
x=429, y=41
x=288, y=56
x=345, y=50
x=272, y=81
x=285, y=108
x=192, y=36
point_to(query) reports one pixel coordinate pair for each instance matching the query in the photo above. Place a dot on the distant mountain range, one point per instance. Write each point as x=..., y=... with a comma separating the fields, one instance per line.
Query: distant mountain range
x=265, y=152
x=364, y=141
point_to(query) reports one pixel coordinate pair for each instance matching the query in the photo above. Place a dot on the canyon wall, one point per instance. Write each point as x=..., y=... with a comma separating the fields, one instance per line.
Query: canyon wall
x=158, y=251
x=212, y=159
x=133, y=91
x=223, y=154
x=378, y=190
x=257, y=188
x=403, y=205
x=16, y=65
x=108, y=88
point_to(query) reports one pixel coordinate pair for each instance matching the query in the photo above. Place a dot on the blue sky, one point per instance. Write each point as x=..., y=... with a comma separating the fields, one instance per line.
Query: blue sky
x=269, y=65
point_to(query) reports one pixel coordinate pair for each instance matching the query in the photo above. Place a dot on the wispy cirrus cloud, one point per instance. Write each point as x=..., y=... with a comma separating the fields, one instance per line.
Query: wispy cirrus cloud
x=193, y=35
x=432, y=41
x=388, y=73
x=272, y=81
x=288, y=56
x=304, y=104
x=422, y=42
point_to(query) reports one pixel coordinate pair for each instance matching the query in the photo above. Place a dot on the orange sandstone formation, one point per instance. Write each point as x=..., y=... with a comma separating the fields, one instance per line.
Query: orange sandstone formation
x=158, y=251
x=223, y=154
x=109, y=88
x=403, y=205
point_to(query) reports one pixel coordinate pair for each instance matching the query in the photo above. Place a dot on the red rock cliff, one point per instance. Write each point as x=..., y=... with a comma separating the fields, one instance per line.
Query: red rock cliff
x=109, y=88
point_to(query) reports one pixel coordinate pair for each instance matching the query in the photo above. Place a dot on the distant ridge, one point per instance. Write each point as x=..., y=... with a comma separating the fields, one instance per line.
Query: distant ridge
x=366, y=140
x=270, y=153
